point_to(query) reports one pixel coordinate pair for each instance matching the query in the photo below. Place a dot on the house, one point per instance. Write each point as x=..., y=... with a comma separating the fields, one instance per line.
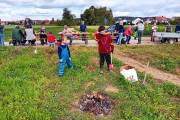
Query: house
x=161, y=19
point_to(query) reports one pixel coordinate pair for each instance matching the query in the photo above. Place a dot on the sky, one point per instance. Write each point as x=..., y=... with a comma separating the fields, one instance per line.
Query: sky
x=48, y=9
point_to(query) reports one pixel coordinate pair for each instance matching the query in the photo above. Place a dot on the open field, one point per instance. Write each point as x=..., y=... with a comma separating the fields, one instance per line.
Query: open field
x=31, y=89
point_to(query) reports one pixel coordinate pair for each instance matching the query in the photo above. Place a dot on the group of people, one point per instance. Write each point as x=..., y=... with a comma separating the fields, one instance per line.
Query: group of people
x=154, y=29
x=105, y=48
x=19, y=37
x=128, y=32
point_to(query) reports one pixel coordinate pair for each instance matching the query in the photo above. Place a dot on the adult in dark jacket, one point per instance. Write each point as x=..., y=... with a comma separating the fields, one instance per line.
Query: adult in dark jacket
x=119, y=28
x=83, y=30
x=43, y=35
x=17, y=35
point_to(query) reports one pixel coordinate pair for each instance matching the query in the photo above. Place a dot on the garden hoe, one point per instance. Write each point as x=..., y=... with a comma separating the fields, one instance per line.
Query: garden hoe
x=35, y=51
x=111, y=66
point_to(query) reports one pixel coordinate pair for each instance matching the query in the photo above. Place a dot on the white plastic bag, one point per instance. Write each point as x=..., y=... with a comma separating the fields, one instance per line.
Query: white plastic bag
x=130, y=74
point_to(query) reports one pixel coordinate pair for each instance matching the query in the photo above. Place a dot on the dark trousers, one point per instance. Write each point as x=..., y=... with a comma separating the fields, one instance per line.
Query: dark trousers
x=84, y=38
x=43, y=41
x=152, y=37
x=32, y=42
x=16, y=42
x=128, y=38
x=102, y=58
x=70, y=38
x=140, y=34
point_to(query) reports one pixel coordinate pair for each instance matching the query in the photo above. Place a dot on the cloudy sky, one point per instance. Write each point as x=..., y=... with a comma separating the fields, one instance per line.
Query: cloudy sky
x=46, y=9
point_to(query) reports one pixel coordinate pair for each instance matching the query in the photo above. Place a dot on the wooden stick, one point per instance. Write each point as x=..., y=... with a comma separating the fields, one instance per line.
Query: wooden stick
x=145, y=76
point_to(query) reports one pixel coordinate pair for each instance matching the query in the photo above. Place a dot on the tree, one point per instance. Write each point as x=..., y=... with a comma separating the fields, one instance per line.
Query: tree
x=97, y=16
x=68, y=18
x=175, y=21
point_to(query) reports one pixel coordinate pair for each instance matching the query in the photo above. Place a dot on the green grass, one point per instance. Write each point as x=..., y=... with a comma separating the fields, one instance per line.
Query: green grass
x=164, y=57
x=31, y=90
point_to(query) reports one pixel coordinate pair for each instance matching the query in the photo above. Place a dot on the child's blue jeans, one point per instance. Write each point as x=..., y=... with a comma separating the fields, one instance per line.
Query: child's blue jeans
x=62, y=64
x=51, y=44
x=120, y=36
x=1, y=39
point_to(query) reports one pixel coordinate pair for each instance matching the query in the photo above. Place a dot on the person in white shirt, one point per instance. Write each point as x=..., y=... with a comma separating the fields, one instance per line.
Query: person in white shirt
x=30, y=35
x=140, y=31
x=154, y=29
x=68, y=33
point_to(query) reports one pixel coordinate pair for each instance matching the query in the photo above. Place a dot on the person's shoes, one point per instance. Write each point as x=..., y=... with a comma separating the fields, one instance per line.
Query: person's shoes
x=71, y=68
x=60, y=76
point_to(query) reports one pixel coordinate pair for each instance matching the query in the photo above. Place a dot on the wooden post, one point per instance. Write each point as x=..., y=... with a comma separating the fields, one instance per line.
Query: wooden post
x=145, y=76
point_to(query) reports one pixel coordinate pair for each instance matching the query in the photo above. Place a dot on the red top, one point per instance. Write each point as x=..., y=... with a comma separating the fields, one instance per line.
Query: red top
x=104, y=43
x=51, y=38
x=128, y=31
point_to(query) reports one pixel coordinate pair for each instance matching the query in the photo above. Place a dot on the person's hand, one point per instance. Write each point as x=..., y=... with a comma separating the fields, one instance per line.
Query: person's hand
x=61, y=60
x=102, y=32
x=112, y=48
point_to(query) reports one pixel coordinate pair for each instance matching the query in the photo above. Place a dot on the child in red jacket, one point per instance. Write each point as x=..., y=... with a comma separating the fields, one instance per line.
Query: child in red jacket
x=128, y=32
x=51, y=39
x=105, y=47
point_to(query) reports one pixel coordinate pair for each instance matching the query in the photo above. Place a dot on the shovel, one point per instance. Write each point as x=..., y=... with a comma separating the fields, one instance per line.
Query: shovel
x=111, y=66
x=36, y=51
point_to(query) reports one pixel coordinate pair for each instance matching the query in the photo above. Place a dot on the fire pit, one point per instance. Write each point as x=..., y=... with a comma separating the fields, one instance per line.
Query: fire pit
x=96, y=103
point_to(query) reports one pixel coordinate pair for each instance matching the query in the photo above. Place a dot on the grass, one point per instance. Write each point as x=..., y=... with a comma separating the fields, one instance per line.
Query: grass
x=164, y=57
x=30, y=88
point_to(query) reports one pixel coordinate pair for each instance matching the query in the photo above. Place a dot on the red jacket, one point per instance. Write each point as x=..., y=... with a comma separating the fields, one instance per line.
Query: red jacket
x=51, y=38
x=128, y=31
x=104, y=43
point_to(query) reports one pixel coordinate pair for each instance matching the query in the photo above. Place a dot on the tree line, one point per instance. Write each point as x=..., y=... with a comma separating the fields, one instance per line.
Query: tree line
x=91, y=16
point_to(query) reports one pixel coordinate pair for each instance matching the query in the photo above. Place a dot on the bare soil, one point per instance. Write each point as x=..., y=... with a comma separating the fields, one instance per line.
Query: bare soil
x=157, y=74
x=112, y=89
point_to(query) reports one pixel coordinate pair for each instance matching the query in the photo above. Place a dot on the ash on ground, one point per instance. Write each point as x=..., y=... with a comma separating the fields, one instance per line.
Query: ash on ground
x=96, y=103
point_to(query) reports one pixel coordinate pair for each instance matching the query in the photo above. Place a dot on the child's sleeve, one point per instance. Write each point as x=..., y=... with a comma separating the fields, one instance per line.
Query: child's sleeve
x=110, y=39
x=54, y=37
x=111, y=43
x=96, y=36
x=69, y=52
x=59, y=52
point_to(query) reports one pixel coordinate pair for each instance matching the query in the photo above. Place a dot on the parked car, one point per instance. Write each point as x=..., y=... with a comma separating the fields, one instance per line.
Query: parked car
x=170, y=37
